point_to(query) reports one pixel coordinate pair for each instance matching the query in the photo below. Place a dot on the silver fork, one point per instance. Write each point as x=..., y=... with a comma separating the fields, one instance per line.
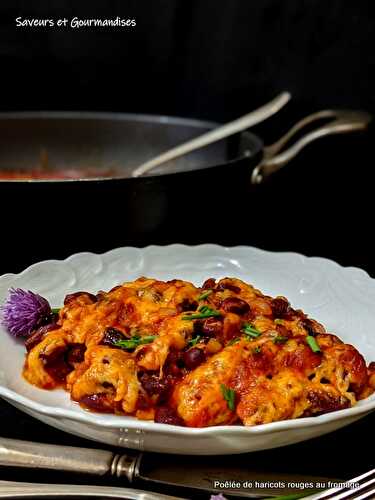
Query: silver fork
x=364, y=489
x=12, y=490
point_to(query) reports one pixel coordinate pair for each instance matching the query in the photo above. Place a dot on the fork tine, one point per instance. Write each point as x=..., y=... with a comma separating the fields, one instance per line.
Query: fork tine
x=369, y=494
x=364, y=480
x=354, y=493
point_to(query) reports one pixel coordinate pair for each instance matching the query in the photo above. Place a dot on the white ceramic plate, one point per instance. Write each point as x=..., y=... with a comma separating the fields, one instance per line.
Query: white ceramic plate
x=341, y=298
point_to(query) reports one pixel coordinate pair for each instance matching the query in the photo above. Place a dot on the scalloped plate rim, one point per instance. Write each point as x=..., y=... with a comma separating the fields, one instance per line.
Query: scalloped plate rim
x=362, y=408
x=284, y=254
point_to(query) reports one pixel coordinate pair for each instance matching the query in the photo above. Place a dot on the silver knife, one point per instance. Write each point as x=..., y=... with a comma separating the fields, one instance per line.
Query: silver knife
x=203, y=472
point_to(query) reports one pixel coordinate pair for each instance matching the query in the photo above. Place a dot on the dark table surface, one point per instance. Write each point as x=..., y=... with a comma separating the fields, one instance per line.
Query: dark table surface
x=341, y=454
x=327, y=211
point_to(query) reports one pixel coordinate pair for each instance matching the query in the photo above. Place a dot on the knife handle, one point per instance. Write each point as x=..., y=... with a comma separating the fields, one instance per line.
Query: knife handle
x=15, y=453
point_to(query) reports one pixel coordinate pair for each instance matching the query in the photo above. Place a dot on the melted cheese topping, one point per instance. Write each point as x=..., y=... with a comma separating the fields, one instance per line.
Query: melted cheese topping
x=199, y=371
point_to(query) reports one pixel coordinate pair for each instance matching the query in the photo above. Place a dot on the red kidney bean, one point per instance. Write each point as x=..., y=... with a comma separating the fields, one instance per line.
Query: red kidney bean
x=174, y=363
x=193, y=358
x=166, y=415
x=212, y=327
x=235, y=305
x=97, y=402
x=88, y=298
x=38, y=335
x=53, y=355
x=111, y=336
x=313, y=327
x=76, y=353
x=197, y=327
x=309, y=326
x=280, y=307
x=152, y=384
x=228, y=285
x=187, y=305
x=55, y=363
x=210, y=283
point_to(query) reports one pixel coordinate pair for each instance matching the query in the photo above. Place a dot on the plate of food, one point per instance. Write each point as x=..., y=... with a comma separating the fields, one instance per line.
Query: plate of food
x=190, y=350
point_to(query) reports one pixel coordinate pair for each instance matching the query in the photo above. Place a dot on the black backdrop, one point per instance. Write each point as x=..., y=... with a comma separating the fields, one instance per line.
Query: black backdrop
x=217, y=60
x=208, y=58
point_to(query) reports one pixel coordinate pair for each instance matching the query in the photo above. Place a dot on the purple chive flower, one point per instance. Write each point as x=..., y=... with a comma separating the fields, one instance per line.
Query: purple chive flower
x=24, y=311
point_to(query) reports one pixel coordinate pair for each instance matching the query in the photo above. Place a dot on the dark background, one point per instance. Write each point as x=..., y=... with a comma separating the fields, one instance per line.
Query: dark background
x=218, y=60
x=207, y=59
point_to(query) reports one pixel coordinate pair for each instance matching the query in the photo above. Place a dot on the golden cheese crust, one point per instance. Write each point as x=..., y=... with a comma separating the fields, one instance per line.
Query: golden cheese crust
x=223, y=353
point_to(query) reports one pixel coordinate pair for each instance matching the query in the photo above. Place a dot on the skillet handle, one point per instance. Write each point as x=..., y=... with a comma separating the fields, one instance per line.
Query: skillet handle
x=275, y=157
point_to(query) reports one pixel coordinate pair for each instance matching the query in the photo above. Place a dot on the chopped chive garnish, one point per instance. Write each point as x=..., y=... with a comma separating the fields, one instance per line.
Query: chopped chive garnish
x=280, y=339
x=250, y=331
x=314, y=346
x=278, y=321
x=203, y=312
x=135, y=341
x=257, y=349
x=206, y=309
x=234, y=341
x=204, y=295
x=229, y=395
x=194, y=341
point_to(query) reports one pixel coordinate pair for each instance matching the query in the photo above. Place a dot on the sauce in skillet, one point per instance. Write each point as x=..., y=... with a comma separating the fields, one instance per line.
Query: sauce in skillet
x=49, y=174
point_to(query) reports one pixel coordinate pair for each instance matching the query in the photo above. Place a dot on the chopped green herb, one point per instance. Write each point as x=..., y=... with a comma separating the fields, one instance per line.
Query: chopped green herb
x=203, y=312
x=206, y=309
x=313, y=343
x=278, y=321
x=135, y=341
x=250, y=331
x=55, y=310
x=194, y=341
x=280, y=339
x=234, y=341
x=204, y=295
x=229, y=395
x=257, y=349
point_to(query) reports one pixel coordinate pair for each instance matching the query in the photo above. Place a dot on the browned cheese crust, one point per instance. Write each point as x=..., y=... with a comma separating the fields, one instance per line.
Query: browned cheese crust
x=196, y=372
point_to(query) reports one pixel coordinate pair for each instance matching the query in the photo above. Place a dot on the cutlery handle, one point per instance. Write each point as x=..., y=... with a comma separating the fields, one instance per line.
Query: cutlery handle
x=13, y=490
x=14, y=453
